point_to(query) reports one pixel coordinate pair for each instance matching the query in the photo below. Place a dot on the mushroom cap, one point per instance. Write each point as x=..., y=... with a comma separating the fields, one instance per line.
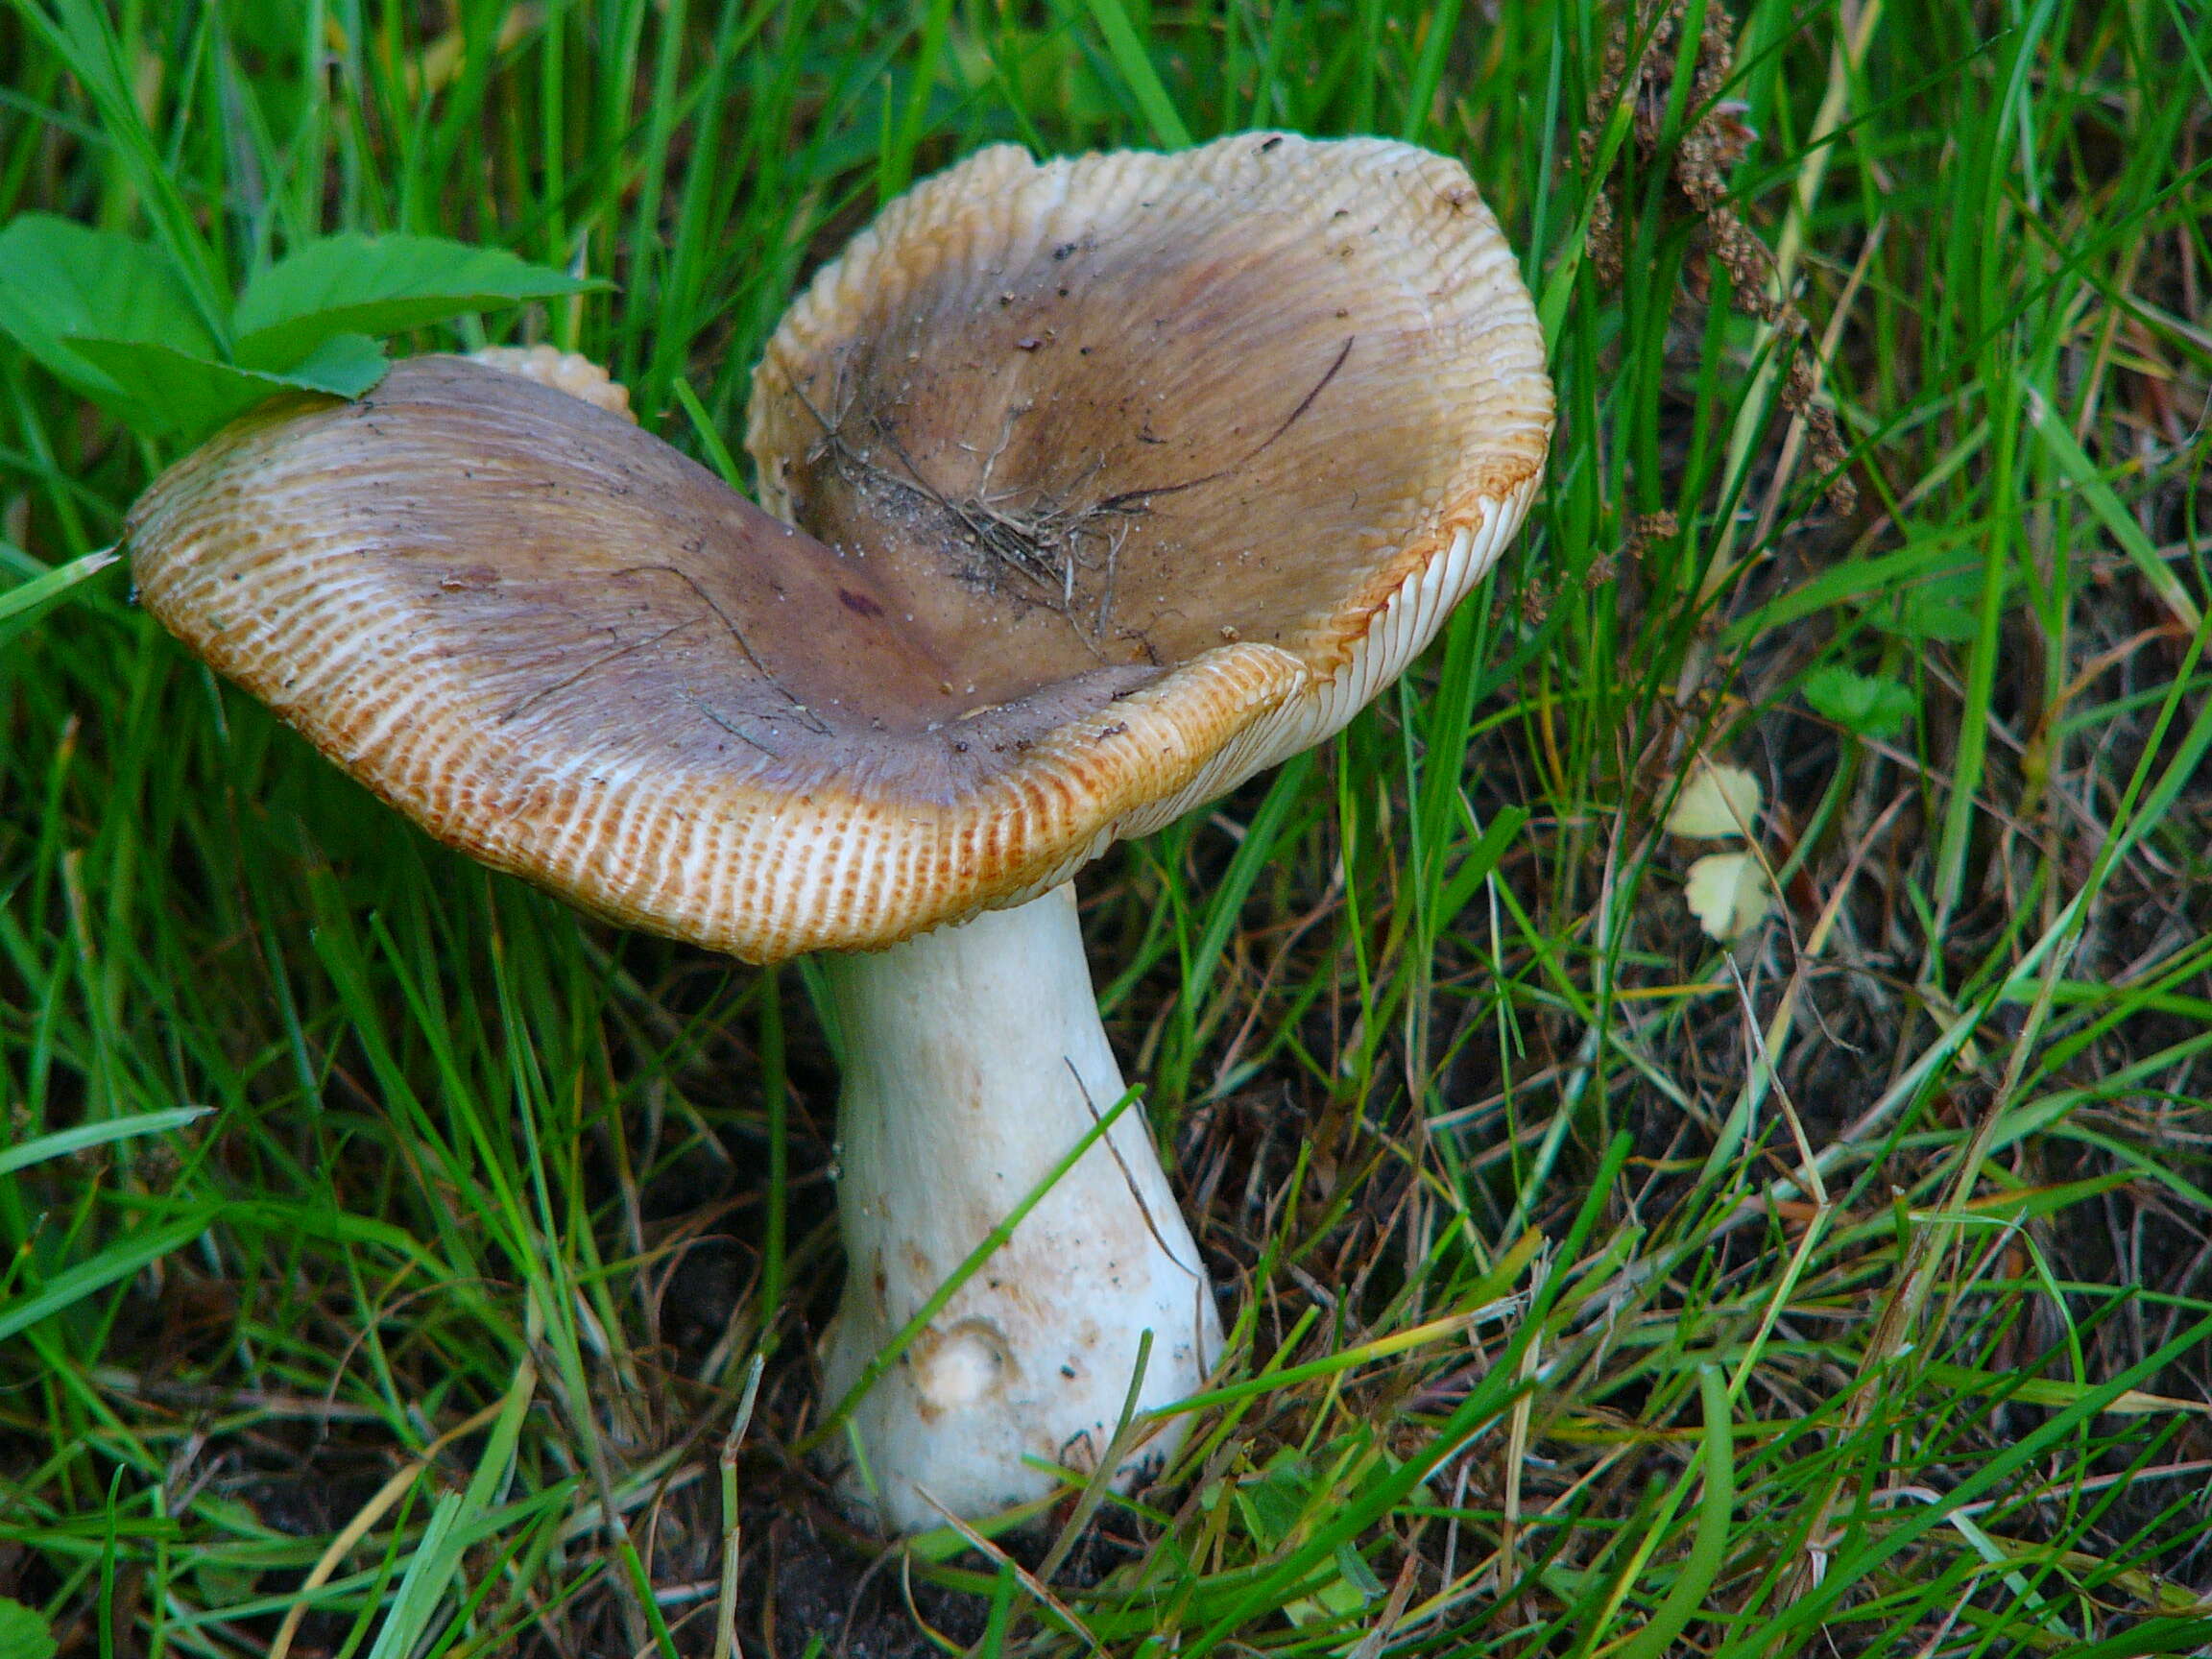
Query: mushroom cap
x=1140, y=401
x=563, y=647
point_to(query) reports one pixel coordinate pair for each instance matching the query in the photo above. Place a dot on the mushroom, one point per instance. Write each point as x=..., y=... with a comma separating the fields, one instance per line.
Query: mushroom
x=1115, y=481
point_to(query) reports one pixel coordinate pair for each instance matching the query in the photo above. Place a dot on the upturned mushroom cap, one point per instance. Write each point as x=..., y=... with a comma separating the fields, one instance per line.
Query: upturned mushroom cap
x=1125, y=409
x=563, y=647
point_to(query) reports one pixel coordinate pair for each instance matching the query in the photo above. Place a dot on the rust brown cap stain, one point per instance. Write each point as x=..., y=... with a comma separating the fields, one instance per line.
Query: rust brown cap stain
x=564, y=648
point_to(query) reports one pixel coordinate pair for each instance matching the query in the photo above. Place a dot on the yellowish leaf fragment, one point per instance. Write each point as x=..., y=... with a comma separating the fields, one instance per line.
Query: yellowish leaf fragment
x=1729, y=894
x=1716, y=800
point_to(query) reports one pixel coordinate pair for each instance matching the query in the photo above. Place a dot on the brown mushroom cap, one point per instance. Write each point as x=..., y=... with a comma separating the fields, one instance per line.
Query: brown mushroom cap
x=1119, y=408
x=564, y=648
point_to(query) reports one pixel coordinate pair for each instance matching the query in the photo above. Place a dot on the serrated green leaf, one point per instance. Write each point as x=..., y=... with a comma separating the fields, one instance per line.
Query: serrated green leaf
x=345, y=365
x=1870, y=707
x=60, y=279
x=181, y=392
x=380, y=285
x=82, y=35
x=23, y=1634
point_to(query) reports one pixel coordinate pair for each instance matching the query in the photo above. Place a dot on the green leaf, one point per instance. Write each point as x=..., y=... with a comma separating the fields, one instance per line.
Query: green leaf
x=1355, y=1570
x=1709, y=1549
x=116, y=319
x=23, y=1634
x=1869, y=707
x=345, y=365
x=1945, y=607
x=60, y=279
x=380, y=285
x=80, y=33
x=182, y=392
x=1274, y=1501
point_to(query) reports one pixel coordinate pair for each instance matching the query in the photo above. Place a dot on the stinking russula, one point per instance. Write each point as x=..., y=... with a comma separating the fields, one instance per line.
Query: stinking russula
x=1103, y=484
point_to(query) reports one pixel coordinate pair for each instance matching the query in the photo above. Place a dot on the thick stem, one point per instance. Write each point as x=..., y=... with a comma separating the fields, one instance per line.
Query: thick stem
x=975, y=1060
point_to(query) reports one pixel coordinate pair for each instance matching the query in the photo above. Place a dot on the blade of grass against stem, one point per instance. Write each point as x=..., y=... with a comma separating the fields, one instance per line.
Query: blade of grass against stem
x=1259, y=846
x=1118, y=1445
x=1438, y=28
x=895, y=166
x=2082, y=474
x=992, y=1242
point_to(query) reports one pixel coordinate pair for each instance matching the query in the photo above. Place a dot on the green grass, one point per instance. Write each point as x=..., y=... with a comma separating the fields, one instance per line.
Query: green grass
x=1542, y=1213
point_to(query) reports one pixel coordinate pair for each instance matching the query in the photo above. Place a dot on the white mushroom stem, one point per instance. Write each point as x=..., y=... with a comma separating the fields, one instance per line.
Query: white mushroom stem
x=974, y=1062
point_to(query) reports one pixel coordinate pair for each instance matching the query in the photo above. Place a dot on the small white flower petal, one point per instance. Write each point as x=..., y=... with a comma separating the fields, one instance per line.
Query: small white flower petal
x=1715, y=801
x=1728, y=893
